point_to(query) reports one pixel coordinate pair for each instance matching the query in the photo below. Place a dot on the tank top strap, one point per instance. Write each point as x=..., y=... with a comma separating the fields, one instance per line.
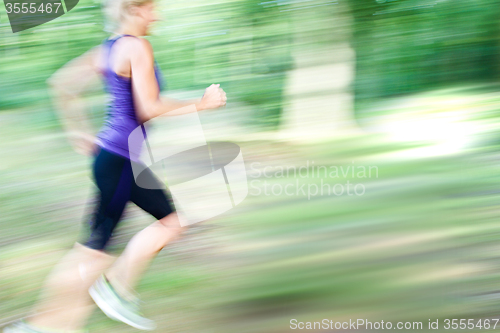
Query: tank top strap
x=110, y=43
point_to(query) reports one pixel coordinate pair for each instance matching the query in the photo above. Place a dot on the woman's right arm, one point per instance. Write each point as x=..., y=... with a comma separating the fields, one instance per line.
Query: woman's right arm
x=67, y=86
x=148, y=102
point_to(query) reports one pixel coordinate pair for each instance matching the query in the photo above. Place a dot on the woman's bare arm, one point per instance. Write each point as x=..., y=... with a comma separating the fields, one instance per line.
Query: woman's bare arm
x=66, y=87
x=149, y=103
x=78, y=74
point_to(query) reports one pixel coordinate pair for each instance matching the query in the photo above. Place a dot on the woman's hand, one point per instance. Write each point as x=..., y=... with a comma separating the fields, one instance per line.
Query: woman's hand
x=213, y=98
x=82, y=143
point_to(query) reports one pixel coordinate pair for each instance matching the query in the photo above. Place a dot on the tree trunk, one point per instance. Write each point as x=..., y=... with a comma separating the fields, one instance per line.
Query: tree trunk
x=319, y=101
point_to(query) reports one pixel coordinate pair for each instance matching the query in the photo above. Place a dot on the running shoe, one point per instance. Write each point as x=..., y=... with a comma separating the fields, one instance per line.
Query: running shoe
x=21, y=326
x=117, y=307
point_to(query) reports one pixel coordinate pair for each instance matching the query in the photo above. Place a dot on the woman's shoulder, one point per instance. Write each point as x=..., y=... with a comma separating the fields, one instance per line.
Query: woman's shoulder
x=135, y=45
x=125, y=48
x=96, y=58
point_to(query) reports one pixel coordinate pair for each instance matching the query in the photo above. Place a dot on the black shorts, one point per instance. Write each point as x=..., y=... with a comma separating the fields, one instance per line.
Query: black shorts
x=115, y=180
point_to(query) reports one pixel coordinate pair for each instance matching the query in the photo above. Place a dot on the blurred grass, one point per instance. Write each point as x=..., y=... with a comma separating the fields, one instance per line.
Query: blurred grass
x=420, y=244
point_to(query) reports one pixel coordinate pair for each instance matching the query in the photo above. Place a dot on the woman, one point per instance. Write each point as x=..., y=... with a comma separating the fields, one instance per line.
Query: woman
x=126, y=61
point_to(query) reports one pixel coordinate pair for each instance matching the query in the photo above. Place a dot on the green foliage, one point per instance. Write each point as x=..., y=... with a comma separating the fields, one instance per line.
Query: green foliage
x=404, y=46
x=236, y=44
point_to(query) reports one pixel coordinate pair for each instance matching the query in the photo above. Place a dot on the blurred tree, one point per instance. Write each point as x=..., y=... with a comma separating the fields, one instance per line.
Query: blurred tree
x=319, y=99
x=405, y=46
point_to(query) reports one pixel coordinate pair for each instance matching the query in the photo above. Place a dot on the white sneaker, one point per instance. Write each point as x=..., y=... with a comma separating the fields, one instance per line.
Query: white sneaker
x=118, y=308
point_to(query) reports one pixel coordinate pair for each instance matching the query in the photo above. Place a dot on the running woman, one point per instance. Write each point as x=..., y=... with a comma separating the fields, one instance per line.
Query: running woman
x=87, y=274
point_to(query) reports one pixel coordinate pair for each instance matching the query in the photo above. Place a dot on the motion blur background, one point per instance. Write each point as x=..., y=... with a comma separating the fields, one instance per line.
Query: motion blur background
x=408, y=87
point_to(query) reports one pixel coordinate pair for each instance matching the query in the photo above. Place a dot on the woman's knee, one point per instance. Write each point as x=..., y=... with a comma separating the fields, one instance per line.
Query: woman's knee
x=172, y=224
x=80, y=264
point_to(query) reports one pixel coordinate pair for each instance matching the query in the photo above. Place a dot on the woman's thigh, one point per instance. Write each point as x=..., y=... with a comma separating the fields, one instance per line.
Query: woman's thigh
x=156, y=202
x=113, y=177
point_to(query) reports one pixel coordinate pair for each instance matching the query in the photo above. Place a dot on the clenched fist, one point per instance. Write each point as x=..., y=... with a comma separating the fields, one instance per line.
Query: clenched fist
x=213, y=98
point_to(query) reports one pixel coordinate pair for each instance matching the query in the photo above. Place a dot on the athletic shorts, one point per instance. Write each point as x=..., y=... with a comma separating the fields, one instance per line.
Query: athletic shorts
x=113, y=176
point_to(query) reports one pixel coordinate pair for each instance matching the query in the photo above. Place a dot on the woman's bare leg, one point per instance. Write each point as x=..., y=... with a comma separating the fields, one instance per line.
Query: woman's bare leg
x=142, y=248
x=66, y=290
x=65, y=303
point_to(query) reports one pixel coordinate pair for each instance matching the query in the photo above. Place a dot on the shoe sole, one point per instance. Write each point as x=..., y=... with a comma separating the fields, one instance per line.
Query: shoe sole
x=112, y=314
x=21, y=326
x=14, y=328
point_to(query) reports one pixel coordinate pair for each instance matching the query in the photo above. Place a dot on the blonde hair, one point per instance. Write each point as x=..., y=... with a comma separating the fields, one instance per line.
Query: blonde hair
x=117, y=10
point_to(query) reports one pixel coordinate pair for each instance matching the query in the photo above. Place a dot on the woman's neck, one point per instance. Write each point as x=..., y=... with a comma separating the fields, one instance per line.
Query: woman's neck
x=130, y=30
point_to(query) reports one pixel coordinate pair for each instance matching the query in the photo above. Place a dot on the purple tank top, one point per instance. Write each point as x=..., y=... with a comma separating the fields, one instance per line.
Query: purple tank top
x=121, y=118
